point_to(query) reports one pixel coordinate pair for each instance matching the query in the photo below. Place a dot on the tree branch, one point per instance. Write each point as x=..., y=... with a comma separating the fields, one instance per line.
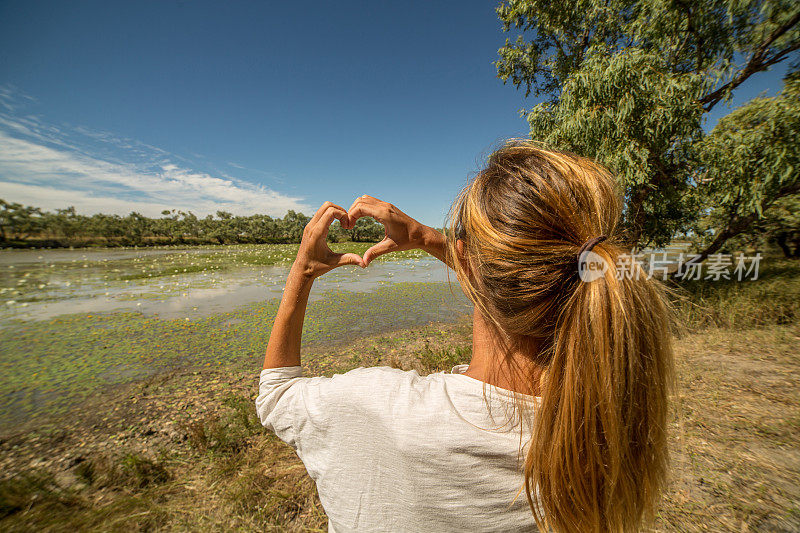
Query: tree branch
x=739, y=224
x=757, y=62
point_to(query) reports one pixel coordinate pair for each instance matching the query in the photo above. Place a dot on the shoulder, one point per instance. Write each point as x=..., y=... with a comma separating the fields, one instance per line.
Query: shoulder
x=364, y=388
x=379, y=372
x=368, y=380
x=381, y=388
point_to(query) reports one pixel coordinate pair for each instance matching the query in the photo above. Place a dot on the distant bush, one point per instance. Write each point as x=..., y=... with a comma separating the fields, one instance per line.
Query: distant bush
x=769, y=300
x=27, y=226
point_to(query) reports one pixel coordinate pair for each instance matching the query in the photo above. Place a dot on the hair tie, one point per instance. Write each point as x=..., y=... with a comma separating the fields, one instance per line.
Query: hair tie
x=591, y=243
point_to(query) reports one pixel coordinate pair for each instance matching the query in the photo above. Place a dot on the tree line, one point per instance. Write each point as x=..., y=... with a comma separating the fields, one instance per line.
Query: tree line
x=28, y=226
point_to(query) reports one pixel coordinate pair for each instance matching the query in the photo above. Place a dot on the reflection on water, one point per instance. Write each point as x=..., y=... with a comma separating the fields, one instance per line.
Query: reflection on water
x=32, y=257
x=194, y=282
x=207, y=293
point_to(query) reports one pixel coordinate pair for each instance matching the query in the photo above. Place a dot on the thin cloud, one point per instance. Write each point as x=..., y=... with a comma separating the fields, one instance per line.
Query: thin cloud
x=42, y=165
x=53, y=175
x=84, y=202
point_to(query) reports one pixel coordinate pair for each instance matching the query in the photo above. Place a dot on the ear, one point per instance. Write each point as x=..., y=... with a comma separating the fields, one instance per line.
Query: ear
x=462, y=258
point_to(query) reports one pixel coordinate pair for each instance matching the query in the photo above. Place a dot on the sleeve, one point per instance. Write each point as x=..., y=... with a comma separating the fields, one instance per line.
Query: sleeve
x=322, y=416
x=307, y=413
x=277, y=402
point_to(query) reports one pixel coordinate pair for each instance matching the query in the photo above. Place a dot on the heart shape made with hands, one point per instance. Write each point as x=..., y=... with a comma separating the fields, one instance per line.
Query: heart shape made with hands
x=397, y=227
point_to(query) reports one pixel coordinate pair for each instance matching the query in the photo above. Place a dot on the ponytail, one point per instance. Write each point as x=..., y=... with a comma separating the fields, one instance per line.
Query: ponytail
x=598, y=457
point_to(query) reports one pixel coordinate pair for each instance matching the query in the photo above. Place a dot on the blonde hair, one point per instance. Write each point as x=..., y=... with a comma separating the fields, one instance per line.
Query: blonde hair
x=597, y=459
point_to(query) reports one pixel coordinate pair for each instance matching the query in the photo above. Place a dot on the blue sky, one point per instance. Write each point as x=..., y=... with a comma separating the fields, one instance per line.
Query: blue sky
x=253, y=106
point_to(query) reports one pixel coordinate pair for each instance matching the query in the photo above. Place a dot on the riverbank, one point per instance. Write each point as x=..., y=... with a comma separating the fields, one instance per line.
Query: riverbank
x=112, y=464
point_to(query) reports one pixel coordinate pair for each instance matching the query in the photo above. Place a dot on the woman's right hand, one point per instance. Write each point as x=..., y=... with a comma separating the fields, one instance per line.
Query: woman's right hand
x=402, y=231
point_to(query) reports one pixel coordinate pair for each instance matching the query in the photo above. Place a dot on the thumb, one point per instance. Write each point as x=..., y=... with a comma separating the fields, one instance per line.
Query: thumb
x=348, y=259
x=383, y=247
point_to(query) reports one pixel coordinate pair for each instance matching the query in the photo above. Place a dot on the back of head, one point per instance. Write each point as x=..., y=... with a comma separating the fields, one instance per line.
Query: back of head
x=598, y=456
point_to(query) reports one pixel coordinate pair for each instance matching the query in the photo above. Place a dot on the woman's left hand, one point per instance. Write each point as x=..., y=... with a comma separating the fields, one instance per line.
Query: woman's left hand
x=314, y=258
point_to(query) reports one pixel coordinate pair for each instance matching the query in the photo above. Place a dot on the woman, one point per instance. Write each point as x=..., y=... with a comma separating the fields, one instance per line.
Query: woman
x=577, y=366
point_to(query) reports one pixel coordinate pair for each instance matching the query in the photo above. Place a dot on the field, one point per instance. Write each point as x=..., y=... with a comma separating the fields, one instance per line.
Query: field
x=170, y=441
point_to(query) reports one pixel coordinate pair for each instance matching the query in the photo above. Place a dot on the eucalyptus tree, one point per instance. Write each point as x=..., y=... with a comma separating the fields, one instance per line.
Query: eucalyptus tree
x=19, y=221
x=27, y=225
x=781, y=225
x=110, y=227
x=748, y=164
x=366, y=229
x=262, y=229
x=66, y=223
x=629, y=83
x=337, y=233
x=166, y=226
x=189, y=225
x=137, y=227
x=292, y=225
x=222, y=229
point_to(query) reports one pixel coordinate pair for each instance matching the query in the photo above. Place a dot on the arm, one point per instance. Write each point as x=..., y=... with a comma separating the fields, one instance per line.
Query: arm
x=402, y=231
x=314, y=258
x=434, y=243
x=283, y=348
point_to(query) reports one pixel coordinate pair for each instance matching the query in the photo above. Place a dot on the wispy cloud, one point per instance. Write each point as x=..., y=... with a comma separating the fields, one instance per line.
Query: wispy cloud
x=10, y=98
x=55, y=167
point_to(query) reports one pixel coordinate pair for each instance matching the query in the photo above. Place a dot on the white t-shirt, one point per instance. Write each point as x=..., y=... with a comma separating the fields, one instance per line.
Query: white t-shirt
x=391, y=450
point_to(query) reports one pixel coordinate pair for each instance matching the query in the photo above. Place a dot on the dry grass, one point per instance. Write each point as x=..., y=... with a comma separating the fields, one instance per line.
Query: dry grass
x=735, y=436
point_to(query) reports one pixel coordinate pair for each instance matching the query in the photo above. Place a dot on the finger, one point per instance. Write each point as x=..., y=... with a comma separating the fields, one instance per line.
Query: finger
x=322, y=210
x=323, y=224
x=318, y=214
x=363, y=209
x=333, y=212
x=383, y=247
x=364, y=199
x=338, y=260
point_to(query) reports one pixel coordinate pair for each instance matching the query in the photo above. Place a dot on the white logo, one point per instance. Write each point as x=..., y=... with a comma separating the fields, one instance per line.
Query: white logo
x=591, y=266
